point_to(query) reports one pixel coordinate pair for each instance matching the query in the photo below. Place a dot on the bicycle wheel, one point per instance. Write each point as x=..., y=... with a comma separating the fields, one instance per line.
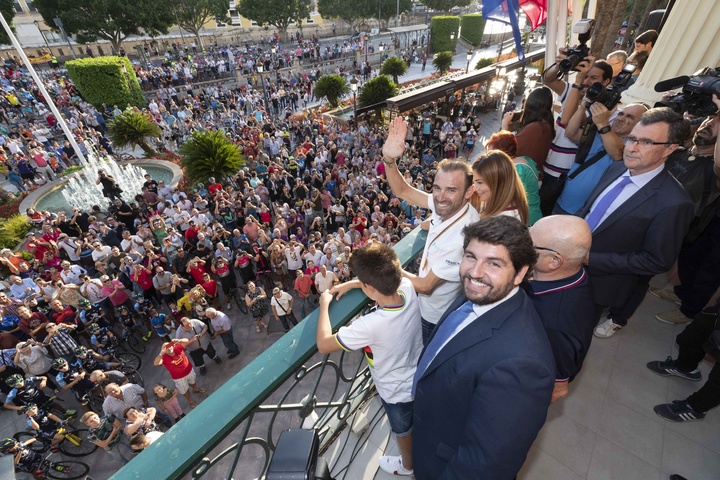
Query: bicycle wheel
x=128, y=360
x=240, y=301
x=40, y=445
x=67, y=469
x=76, y=445
x=267, y=282
x=133, y=375
x=135, y=342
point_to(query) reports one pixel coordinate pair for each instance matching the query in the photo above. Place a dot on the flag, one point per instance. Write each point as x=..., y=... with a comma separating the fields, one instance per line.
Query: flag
x=508, y=12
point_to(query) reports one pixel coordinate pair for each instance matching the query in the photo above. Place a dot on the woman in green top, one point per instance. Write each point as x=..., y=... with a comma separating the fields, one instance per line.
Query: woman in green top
x=525, y=167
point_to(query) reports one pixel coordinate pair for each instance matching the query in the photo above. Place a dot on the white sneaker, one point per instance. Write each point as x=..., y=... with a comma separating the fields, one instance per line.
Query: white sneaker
x=394, y=466
x=607, y=329
x=229, y=306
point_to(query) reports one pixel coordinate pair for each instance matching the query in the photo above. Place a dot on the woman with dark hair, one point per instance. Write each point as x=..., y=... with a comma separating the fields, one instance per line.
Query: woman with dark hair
x=537, y=126
x=498, y=189
x=525, y=167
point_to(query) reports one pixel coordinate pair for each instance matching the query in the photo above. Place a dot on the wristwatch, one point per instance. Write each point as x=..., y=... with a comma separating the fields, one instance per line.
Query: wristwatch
x=604, y=130
x=577, y=86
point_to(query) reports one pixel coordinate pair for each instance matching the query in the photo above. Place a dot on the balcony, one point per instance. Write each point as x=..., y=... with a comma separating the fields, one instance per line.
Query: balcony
x=605, y=428
x=233, y=433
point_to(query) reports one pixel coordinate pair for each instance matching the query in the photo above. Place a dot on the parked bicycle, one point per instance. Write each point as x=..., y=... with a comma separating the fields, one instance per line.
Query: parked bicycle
x=27, y=460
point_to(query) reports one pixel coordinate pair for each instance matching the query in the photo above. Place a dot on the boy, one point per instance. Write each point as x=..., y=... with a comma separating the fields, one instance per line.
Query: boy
x=390, y=337
x=105, y=432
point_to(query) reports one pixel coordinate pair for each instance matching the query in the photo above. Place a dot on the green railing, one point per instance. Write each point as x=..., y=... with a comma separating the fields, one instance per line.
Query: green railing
x=234, y=431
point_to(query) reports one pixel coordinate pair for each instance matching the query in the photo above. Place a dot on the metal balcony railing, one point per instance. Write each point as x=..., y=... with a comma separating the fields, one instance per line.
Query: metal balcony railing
x=233, y=433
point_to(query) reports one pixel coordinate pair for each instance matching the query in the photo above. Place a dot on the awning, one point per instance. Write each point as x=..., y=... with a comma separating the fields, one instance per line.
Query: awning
x=415, y=98
x=409, y=28
x=474, y=77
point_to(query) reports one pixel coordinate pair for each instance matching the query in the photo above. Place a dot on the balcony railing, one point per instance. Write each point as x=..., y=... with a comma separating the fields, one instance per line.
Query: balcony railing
x=233, y=433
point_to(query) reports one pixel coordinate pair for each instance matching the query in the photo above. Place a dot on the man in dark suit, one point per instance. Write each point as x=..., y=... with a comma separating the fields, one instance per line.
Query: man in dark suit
x=484, y=382
x=638, y=214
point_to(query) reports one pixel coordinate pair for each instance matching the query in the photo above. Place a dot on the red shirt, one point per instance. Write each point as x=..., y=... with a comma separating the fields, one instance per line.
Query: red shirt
x=213, y=188
x=178, y=365
x=197, y=273
x=143, y=279
x=67, y=316
x=210, y=288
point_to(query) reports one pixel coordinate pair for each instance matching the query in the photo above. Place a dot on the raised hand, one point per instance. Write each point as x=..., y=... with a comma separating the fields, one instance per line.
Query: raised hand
x=395, y=143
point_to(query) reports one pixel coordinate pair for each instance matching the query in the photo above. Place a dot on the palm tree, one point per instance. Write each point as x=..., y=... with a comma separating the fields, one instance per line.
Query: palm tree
x=442, y=62
x=394, y=66
x=333, y=87
x=377, y=91
x=210, y=154
x=133, y=129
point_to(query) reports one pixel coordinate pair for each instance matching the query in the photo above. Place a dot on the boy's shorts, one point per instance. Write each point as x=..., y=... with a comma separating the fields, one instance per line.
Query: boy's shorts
x=400, y=417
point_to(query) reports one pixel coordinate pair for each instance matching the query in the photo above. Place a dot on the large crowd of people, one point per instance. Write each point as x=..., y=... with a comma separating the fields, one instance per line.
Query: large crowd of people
x=561, y=223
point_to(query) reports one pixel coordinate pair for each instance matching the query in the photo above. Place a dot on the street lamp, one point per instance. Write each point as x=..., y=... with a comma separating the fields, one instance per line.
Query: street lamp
x=469, y=57
x=42, y=34
x=353, y=87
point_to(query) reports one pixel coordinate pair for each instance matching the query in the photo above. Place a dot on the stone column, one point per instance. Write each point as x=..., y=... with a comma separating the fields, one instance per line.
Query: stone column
x=687, y=43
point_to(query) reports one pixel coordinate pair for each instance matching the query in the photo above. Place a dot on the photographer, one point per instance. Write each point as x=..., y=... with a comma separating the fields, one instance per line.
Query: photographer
x=563, y=150
x=110, y=187
x=604, y=148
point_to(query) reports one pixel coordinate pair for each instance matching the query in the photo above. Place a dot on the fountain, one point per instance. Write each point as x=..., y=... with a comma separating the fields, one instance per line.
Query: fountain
x=82, y=191
x=79, y=189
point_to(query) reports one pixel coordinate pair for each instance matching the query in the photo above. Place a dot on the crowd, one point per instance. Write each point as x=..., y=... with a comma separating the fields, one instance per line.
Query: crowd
x=608, y=193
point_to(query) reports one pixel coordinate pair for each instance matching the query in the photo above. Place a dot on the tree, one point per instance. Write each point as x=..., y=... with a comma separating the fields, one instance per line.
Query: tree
x=613, y=31
x=484, y=62
x=278, y=13
x=445, y=5
x=345, y=10
x=131, y=129
x=387, y=9
x=603, y=19
x=394, y=67
x=111, y=20
x=193, y=14
x=333, y=87
x=210, y=154
x=8, y=11
x=377, y=91
x=442, y=62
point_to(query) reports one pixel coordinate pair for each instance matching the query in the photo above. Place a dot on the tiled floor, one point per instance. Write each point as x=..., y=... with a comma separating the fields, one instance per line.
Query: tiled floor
x=606, y=428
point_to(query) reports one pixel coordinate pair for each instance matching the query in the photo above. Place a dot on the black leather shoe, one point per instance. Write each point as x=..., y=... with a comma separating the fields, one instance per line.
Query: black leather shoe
x=217, y=360
x=675, y=476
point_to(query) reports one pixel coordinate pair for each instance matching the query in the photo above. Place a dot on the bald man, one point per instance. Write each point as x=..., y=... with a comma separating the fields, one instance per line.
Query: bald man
x=560, y=291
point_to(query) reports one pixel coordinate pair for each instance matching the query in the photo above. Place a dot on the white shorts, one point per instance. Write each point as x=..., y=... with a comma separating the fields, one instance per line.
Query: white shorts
x=183, y=384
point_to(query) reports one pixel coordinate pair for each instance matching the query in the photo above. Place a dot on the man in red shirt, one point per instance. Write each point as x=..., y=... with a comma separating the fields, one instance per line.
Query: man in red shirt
x=213, y=186
x=303, y=287
x=172, y=356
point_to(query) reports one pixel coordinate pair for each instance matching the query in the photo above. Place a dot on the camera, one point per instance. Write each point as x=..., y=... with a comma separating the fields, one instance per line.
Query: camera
x=696, y=95
x=584, y=29
x=610, y=96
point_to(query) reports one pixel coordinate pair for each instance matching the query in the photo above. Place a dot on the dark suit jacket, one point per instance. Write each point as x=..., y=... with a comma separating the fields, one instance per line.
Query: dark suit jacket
x=641, y=238
x=483, y=399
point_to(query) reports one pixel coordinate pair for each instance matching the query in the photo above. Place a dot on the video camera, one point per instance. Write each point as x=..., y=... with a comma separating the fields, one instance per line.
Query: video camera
x=696, y=95
x=584, y=29
x=610, y=96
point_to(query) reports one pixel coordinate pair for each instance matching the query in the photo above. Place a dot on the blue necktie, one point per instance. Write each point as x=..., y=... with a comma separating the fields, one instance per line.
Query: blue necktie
x=443, y=333
x=593, y=218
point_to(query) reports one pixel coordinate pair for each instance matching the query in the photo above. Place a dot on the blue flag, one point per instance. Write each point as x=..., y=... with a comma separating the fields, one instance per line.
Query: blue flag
x=507, y=12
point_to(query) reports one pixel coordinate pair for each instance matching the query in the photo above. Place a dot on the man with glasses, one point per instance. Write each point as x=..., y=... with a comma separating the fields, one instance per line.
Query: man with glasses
x=638, y=214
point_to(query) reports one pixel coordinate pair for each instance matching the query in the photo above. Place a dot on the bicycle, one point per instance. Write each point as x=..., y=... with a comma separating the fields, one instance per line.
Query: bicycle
x=130, y=363
x=132, y=338
x=68, y=469
x=74, y=443
x=238, y=296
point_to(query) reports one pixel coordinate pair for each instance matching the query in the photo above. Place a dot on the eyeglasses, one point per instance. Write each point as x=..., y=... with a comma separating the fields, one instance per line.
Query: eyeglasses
x=644, y=142
x=548, y=250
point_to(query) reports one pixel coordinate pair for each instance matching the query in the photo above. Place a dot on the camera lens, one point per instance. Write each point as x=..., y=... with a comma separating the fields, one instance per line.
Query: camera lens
x=596, y=92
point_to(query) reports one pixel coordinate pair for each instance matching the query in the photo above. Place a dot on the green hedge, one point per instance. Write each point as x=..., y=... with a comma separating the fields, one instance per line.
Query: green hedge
x=440, y=29
x=102, y=80
x=472, y=27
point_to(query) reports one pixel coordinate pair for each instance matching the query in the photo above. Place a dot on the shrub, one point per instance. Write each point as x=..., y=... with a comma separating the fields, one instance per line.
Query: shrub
x=133, y=129
x=472, y=27
x=440, y=29
x=210, y=154
x=103, y=80
x=377, y=90
x=394, y=67
x=442, y=62
x=332, y=87
x=13, y=230
x=484, y=62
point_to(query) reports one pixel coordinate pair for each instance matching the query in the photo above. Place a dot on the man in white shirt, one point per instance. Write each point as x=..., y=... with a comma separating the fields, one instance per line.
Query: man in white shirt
x=70, y=274
x=324, y=279
x=438, y=280
x=282, y=304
